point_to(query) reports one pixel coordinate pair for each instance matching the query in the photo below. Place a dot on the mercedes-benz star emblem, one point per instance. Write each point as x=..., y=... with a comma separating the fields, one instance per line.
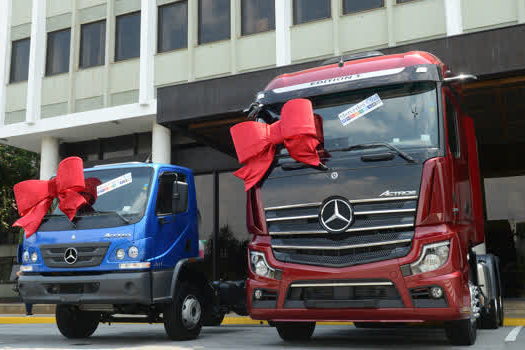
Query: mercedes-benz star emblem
x=336, y=214
x=71, y=256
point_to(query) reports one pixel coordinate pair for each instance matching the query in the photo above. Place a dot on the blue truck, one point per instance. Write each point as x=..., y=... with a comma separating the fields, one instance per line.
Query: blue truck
x=130, y=255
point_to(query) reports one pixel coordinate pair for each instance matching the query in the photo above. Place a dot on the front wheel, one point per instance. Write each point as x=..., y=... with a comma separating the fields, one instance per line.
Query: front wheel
x=295, y=331
x=183, y=316
x=462, y=332
x=74, y=323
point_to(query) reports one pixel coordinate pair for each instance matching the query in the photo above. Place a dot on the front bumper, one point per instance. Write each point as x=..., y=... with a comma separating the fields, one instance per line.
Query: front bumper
x=108, y=288
x=397, y=304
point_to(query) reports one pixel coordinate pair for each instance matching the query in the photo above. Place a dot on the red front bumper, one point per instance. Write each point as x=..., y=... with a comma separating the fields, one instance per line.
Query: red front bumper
x=451, y=278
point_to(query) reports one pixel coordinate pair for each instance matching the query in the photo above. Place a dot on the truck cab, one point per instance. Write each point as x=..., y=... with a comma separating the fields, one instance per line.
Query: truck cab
x=383, y=229
x=132, y=250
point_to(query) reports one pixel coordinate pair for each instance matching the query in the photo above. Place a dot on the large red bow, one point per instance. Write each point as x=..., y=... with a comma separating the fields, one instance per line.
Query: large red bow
x=255, y=142
x=34, y=197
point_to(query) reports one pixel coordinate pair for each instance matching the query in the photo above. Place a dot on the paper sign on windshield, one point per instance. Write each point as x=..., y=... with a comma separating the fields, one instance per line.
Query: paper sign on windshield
x=362, y=108
x=114, y=184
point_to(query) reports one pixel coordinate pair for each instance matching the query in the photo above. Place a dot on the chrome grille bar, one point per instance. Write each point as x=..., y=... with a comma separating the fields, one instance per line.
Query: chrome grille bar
x=354, y=201
x=352, y=246
x=286, y=218
x=316, y=232
x=390, y=211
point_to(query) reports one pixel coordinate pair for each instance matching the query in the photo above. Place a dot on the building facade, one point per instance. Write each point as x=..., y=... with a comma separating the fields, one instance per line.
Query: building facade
x=131, y=80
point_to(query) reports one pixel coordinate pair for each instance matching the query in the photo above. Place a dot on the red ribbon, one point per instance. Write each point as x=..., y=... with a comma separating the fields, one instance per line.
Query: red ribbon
x=34, y=197
x=255, y=142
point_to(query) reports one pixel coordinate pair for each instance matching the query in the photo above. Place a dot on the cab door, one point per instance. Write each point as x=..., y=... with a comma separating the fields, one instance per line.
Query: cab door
x=172, y=240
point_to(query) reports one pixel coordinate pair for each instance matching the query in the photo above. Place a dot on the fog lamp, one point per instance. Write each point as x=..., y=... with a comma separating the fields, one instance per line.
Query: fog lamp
x=34, y=257
x=436, y=292
x=120, y=254
x=258, y=294
x=133, y=252
x=25, y=256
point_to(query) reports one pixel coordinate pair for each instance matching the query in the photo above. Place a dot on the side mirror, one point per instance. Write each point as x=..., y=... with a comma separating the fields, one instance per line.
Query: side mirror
x=179, y=199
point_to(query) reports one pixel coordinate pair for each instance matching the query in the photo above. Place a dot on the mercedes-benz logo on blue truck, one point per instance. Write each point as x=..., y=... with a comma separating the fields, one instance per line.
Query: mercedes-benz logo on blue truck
x=71, y=256
x=336, y=214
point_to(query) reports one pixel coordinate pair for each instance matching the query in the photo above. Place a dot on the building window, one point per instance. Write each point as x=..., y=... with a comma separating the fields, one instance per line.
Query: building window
x=257, y=16
x=402, y=1
x=173, y=26
x=214, y=20
x=127, y=37
x=310, y=10
x=350, y=6
x=57, y=60
x=19, y=60
x=92, y=44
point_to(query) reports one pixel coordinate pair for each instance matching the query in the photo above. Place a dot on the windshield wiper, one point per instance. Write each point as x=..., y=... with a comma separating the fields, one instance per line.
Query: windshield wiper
x=375, y=145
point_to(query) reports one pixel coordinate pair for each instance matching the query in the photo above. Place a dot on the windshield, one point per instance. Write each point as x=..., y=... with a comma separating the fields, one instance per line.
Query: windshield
x=404, y=116
x=122, y=193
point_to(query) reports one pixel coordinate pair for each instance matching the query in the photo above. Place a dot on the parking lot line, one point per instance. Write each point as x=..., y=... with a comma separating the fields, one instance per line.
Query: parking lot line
x=513, y=334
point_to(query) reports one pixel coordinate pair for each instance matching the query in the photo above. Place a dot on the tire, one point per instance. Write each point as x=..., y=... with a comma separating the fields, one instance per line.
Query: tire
x=183, y=316
x=500, y=293
x=492, y=314
x=295, y=331
x=462, y=332
x=74, y=323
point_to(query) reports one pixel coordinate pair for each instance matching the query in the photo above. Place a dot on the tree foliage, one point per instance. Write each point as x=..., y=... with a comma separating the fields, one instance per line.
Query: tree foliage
x=15, y=165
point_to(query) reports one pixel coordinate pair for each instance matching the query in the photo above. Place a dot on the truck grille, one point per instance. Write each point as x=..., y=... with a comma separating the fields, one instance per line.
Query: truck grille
x=88, y=254
x=383, y=229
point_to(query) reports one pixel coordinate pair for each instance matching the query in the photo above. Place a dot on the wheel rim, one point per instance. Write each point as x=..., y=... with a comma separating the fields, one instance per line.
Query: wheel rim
x=191, y=312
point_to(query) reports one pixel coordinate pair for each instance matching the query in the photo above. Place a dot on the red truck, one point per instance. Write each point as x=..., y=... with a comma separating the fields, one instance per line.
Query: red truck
x=387, y=227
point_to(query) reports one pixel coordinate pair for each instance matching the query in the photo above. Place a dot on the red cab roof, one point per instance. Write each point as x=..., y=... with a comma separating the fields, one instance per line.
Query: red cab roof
x=359, y=66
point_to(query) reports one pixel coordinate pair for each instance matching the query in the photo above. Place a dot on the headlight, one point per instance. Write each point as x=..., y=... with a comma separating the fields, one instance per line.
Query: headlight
x=34, y=257
x=25, y=256
x=261, y=267
x=432, y=257
x=120, y=254
x=133, y=252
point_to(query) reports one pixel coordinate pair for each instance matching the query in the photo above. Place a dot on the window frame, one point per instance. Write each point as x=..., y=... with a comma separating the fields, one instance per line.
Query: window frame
x=159, y=26
x=294, y=14
x=80, y=66
x=344, y=13
x=46, y=71
x=115, y=56
x=13, y=61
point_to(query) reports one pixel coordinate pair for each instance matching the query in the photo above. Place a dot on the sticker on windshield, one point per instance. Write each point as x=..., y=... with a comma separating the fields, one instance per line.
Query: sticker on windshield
x=362, y=108
x=114, y=184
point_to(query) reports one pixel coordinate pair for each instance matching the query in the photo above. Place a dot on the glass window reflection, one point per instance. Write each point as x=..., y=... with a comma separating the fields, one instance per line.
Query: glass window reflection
x=127, y=38
x=350, y=6
x=214, y=20
x=92, y=44
x=310, y=10
x=58, y=52
x=173, y=26
x=19, y=60
x=257, y=16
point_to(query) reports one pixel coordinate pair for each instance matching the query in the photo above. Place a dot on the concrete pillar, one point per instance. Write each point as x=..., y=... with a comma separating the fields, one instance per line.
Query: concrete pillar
x=283, y=21
x=160, y=144
x=49, y=157
x=148, y=30
x=389, y=4
x=454, y=17
x=5, y=28
x=37, y=57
